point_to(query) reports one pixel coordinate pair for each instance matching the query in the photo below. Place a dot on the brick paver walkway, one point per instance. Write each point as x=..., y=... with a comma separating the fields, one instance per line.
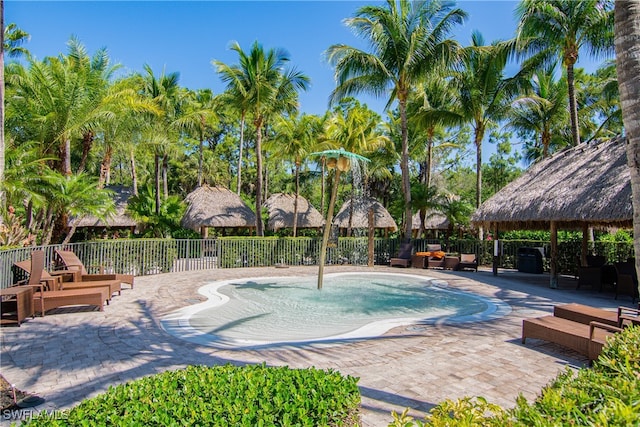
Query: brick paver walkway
x=69, y=356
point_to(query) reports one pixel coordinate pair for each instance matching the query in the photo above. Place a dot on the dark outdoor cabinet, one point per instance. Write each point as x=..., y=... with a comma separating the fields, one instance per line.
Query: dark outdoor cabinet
x=530, y=260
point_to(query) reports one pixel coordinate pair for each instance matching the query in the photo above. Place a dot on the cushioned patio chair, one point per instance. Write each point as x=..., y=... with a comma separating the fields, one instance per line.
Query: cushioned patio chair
x=469, y=261
x=404, y=256
x=436, y=256
x=70, y=261
x=627, y=280
x=596, y=273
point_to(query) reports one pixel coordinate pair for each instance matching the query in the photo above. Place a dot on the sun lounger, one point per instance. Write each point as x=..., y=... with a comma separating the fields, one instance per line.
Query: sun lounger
x=45, y=298
x=587, y=340
x=71, y=262
x=55, y=283
x=404, y=256
x=585, y=314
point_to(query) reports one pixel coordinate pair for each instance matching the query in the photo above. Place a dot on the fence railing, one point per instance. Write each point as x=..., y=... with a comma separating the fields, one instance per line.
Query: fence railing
x=152, y=256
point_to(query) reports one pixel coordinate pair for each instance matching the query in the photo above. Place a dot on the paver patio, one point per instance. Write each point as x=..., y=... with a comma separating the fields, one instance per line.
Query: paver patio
x=68, y=357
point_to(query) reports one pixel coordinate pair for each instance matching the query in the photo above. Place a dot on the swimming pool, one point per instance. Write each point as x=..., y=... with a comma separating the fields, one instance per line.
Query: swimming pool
x=267, y=311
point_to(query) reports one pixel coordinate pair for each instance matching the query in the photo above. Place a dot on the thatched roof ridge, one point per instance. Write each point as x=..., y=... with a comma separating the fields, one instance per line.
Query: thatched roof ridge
x=586, y=184
x=281, y=206
x=121, y=195
x=382, y=217
x=433, y=221
x=216, y=207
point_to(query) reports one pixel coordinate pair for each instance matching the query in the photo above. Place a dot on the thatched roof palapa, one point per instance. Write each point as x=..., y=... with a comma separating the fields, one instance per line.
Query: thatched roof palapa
x=281, y=206
x=585, y=185
x=433, y=221
x=360, y=219
x=216, y=207
x=121, y=197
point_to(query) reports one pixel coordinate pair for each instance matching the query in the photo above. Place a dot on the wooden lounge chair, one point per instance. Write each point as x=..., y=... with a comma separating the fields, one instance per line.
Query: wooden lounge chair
x=70, y=261
x=627, y=280
x=585, y=314
x=436, y=257
x=404, y=256
x=55, y=283
x=45, y=299
x=587, y=340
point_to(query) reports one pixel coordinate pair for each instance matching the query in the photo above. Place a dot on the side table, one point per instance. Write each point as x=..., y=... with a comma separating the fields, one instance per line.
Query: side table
x=17, y=303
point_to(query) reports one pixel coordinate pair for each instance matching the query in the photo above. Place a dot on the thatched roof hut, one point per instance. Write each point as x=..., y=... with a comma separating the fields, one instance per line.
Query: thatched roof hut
x=584, y=185
x=120, y=219
x=433, y=221
x=280, y=207
x=216, y=207
x=360, y=218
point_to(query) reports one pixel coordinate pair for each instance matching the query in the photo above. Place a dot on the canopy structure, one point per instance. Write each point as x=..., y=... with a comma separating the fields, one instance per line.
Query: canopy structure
x=433, y=221
x=359, y=215
x=120, y=219
x=584, y=185
x=280, y=207
x=216, y=207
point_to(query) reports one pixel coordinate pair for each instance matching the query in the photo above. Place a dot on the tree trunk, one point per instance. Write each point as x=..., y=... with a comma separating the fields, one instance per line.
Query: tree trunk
x=165, y=180
x=157, y=182
x=105, y=167
x=134, y=173
x=295, y=201
x=479, y=135
x=65, y=157
x=404, y=167
x=322, y=181
x=627, y=44
x=2, y=195
x=573, y=107
x=200, y=160
x=240, y=154
x=87, y=142
x=259, y=226
x=70, y=234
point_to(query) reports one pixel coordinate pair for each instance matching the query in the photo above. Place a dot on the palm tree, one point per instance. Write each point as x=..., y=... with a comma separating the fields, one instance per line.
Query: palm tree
x=542, y=110
x=484, y=92
x=408, y=38
x=558, y=29
x=199, y=115
x=295, y=138
x=11, y=39
x=627, y=44
x=262, y=77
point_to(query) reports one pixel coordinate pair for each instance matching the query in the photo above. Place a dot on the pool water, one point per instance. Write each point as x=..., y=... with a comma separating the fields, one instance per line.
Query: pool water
x=350, y=305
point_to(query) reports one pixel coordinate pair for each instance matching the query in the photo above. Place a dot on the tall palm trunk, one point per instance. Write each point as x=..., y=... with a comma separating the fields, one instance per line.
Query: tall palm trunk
x=134, y=172
x=627, y=43
x=157, y=181
x=404, y=165
x=240, y=154
x=2, y=197
x=573, y=107
x=200, y=158
x=295, y=201
x=65, y=157
x=165, y=177
x=259, y=226
x=479, y=135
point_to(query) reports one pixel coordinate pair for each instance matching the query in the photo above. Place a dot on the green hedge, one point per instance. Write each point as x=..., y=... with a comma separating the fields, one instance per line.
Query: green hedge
x=608, y=394
x=222, y=396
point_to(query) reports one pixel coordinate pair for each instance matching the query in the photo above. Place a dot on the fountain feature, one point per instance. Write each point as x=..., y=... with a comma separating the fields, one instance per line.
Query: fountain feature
x=340, y=160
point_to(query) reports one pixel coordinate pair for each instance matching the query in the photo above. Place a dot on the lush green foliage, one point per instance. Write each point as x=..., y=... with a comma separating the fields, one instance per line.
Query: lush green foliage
x=606, y=395
x=223, y=396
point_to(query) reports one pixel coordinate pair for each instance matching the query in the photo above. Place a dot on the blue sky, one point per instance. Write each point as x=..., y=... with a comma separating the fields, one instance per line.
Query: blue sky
x=185, y=36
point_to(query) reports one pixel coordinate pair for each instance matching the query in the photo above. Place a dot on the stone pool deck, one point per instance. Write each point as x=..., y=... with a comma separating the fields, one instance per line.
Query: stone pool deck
x=72, y=355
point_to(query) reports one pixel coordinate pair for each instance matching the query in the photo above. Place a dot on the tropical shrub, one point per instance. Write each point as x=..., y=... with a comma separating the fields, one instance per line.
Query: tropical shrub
x=222, y=396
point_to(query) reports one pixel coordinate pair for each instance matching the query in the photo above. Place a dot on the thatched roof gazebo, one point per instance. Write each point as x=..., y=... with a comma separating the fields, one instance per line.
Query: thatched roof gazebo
x=216, y=207
x=433, y=221
x=280, y=207
x=587, y=185
x=358, y=217
x=120, y=219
